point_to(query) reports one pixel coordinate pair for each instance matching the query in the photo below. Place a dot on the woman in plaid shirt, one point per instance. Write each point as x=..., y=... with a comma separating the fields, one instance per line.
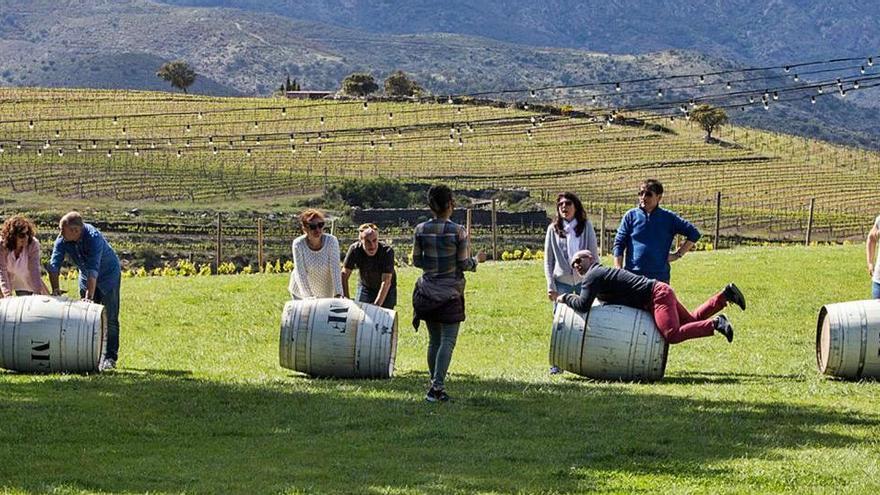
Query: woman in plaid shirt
x=440, y=248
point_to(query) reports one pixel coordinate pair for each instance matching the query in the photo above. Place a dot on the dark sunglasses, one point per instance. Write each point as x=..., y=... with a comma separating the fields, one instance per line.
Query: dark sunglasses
x=315, y=226
x=564, y=202
x=645, y=193
x=22, y=235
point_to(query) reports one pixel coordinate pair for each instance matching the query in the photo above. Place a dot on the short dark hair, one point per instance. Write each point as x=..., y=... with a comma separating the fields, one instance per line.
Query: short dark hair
x=439, y=197
x=654, y=186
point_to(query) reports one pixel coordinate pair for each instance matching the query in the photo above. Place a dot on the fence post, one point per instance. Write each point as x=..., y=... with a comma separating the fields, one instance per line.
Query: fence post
x=602, y=232
x=717, y=219
x=810, y=222
x=468, y=229
x=260, y=260
x=218, y=250
x=494, y=231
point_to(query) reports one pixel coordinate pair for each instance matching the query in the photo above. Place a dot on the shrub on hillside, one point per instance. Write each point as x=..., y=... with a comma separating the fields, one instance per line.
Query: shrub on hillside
x=372, y=193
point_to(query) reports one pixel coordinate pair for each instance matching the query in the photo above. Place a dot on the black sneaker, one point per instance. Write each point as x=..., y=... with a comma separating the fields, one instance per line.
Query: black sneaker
x=723, y=326
x=435, y=395
x=735, y=296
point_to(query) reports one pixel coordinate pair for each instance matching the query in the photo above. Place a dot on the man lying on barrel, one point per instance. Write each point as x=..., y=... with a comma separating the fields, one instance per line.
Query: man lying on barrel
x=674, y=321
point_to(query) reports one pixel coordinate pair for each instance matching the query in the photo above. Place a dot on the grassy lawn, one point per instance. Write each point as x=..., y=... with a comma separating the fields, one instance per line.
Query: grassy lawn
x=200, y=404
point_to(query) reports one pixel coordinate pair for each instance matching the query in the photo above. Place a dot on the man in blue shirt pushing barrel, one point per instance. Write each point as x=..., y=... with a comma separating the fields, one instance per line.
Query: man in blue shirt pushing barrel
x=645, y=235
x=99, y=273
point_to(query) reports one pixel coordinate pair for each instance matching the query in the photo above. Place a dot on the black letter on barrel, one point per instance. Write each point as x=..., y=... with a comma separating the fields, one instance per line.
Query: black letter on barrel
x=338, y=320
x=40, y=347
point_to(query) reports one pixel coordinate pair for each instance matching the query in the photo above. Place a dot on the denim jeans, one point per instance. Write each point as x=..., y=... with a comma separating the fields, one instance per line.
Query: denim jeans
x=875, y=290
x=110, y=300
x=368, y=295
x=442, y=342
x=563, y=288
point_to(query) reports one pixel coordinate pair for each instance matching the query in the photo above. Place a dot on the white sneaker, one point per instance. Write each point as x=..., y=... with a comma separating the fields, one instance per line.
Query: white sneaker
x=107, y=364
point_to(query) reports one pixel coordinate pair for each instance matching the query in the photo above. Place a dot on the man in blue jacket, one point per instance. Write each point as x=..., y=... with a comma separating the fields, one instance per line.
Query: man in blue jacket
x=645, y=235
x=99, y=273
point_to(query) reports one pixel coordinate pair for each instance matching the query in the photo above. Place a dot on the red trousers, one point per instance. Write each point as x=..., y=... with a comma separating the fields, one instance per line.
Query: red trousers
x=675, y=322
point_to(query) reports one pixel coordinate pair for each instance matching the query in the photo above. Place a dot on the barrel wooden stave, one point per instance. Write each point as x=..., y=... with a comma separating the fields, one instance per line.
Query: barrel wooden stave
x=848, y=339
x=338, y=338
x=45, y=334
x=616, y=343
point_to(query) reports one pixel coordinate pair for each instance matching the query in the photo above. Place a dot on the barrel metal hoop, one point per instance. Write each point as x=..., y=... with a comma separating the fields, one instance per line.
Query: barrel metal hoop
x=863, y=327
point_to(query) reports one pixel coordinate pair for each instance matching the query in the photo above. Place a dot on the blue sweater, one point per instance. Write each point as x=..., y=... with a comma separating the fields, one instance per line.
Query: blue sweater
x=92, y=255
x=647, y=238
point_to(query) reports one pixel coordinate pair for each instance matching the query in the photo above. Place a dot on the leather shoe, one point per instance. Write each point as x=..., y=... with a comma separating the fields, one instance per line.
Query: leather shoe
x=723, y=326
x=735, y=296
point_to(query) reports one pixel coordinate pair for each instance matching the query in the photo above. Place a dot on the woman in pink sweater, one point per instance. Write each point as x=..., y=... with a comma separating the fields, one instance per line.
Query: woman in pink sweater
x=20, y=258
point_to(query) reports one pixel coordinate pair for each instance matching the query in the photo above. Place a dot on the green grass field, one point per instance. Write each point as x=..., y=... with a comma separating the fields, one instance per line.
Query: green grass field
x=200, y=404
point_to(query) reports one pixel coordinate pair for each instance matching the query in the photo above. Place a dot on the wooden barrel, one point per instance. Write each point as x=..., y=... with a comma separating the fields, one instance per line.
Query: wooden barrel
x=339, y=338
x=848, y=339
x=617, y=343
x=48, y=334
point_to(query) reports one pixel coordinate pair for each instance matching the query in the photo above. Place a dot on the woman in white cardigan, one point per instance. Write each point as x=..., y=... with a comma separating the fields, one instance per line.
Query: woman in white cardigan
x=570, y=232
x=316, y=271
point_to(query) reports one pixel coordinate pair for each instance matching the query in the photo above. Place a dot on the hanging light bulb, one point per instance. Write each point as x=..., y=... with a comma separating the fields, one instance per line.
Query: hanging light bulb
x=124, y=131
x=291, y=137
x=115, y=120
x=601, y=128
x=39, y=152
x=870, y=61
x=320, y=149
x=109, y=153
x=187, y=128
x=390, y=115
x=210, y=139
x=856, y=84
x=458, y=109
x=460, y=142
x=525, y=106
x=532, y=93
x=390, y=146
x=60, y=152
x=116, y=145
x=820, y=90
x=48, y=144
x=787, y=69
x=659, y=92
x=188, y=143
x=400, y=133
x=451, y=138
x=214, y=150
x=200, y=116
x=57, y=133
x=529, y=134
x=179, y=153
x=322, y=120
x=766, y=105
x=728, y=85
x=79, y=148
x=258, y=141
x=775, y=95
x=153, y=146
x=593, y=99
x=137, y=152
x=366, y=106
x=751, y=99
x=862, y=69
x=18, y=145
x=94, y=144
x=617, y=87
x=248, y=152
x=372, y=144
x=813, y=99
x=1, y=148
x=449, y=100
x=796, y=78
x=128, y=143
x=843, y=92
x=687, y=116
x=31, y=124
x=702, y=79
x=283, y=111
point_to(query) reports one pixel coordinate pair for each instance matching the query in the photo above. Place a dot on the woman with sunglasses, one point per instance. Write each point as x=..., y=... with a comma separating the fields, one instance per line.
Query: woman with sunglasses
x=316, y=271
x=569, y=233
x=20, y=258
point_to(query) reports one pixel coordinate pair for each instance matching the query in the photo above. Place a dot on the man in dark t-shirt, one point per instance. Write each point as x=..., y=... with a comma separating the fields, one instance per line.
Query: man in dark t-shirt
x=674, y=321
x=374, y=260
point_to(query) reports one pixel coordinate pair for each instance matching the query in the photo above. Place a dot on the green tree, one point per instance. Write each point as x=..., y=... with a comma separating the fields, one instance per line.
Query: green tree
x=178, y=73
x=359, y=84
x=399, y=84
x=709, y=118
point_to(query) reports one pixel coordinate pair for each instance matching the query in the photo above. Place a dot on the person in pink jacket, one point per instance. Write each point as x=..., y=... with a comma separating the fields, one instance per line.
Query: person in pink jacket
x=20, y=258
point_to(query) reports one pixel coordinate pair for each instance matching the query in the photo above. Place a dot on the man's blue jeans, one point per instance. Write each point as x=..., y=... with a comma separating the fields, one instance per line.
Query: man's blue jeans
x=110, y=300
x=367, y=295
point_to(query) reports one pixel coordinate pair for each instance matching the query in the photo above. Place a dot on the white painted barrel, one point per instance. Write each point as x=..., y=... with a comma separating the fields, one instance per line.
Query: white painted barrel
x=848, y=339
x=49, y=334
x=616, y=343
x=339, y=338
